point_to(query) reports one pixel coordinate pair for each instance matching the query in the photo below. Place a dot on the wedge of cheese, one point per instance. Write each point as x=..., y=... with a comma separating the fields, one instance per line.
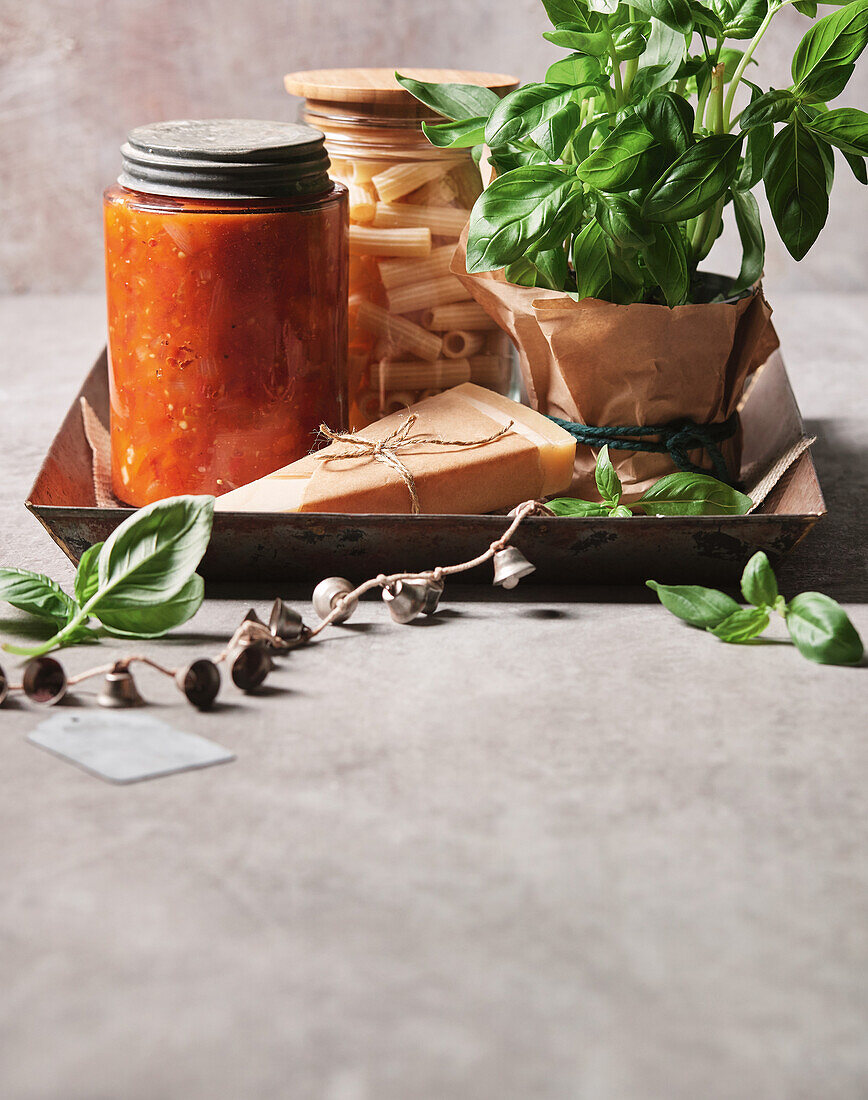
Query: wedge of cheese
x=533, y=459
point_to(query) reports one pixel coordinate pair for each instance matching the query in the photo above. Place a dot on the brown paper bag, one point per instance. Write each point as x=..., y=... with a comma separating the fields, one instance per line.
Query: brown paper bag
x=595, y=363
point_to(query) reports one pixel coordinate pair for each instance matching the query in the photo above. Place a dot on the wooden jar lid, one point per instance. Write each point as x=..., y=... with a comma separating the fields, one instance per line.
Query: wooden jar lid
x=378, y=87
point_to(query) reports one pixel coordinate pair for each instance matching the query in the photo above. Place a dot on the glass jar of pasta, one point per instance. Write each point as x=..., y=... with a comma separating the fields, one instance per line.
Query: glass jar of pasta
x=226, y=275
x=414, y=329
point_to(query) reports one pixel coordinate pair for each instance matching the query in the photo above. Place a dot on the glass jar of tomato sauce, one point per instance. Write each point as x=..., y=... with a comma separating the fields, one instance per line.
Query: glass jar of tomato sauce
x=414, y=329
x=226, y=273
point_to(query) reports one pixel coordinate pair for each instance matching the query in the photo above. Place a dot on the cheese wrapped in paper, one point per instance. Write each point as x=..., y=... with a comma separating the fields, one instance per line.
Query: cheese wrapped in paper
x=533, y=459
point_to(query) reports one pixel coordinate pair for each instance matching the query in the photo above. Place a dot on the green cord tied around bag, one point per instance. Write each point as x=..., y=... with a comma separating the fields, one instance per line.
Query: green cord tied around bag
x=677, y=438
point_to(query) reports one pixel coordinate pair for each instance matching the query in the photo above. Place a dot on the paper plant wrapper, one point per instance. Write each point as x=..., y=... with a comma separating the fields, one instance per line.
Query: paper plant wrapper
x=606, y=365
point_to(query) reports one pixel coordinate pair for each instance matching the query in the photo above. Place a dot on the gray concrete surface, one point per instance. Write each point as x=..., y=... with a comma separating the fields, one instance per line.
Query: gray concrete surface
x=554, y=845
x=76, y=75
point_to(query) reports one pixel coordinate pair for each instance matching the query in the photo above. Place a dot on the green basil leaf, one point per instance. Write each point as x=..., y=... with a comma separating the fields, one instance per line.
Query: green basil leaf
x=527, y=208
x=666, y=259
x=592, y=263
x=153, y=554
x=688, y=494
x=629, y=41
x=822, y=630
x=707, y=19
x=824, y=84
x=576, y=70
x=617, y=160
x=155, y=620
x=676, y=14
x=87, y=574
x=567, y=506
x=565, y=11
x=455, y=101
x=773, y=106
x=740, y=18
x=455, y=135
x=544, y=269
x=753, y=242
x=603, y=7
x=574, y=36
x=37, y=595
x=697, y=179
x=857, y=166
x=845, y=127
x=608, y=482
x=546, y=113
x=706, y=607
x=509, y=157
x=757, y=144
x=666, y=51
x=669, y=119
x=833, y=43
x=806, y=7
x=620, y=512
x=742, y=625
x=758, y=583
x=797, y=185
x=619, y=217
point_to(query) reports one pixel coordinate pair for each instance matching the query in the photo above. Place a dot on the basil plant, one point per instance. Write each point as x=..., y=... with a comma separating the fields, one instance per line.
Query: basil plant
x=614, y=172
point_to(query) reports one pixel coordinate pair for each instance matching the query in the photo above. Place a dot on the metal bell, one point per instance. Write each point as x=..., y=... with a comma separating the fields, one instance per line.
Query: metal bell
x=406, y=599
x=44, y=681
x=249, y=665
x=4, y=686
x=326, y=595
x=285, y=623
x=434, y=590
x=252, y=617
x=119, y=690
x=510, y=565
x=200, y=682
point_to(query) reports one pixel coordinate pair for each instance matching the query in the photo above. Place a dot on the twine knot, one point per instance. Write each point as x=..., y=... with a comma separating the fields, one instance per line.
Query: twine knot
x=386, y=450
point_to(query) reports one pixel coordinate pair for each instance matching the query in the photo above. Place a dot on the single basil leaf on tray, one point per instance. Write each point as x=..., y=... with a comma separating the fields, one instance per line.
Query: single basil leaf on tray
x=758, y=583
x=694, y=604
x=621, y=512
x=608, y=482
x=742, y=625
x=156, y=620
x=87, y=574
x=688, y=494
x=36, y=594
x=697, y=179
x=568, y=506
x=153, y=554
x=822, y=630
x=454, y=101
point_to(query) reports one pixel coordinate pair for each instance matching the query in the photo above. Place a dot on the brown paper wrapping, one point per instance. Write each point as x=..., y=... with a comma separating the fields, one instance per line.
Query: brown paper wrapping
x=449, y=479
x=601, y=364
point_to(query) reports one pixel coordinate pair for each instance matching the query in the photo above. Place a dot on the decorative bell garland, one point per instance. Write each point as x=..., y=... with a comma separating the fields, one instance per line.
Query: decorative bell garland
x=248, y=653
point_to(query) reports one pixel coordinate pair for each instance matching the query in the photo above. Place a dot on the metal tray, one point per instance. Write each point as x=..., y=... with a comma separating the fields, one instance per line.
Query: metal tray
x=307, y=547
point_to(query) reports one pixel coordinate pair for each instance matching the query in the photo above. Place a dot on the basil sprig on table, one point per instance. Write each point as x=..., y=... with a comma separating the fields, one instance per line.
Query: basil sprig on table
x=140, y=582
x=818, y=626
x=679, y=494
x=613, y=174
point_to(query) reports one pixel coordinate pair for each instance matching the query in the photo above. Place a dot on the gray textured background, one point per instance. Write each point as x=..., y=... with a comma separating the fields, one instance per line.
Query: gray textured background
x=77, y=74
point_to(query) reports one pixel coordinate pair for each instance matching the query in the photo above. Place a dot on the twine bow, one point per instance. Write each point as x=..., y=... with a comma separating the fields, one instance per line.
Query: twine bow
x=386, y=450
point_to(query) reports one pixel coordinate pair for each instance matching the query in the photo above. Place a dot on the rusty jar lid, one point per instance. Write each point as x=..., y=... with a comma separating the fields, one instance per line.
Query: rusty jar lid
x=225, y=158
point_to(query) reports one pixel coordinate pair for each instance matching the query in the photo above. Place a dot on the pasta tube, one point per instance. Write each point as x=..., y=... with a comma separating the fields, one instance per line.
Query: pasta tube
x=467, y=316
x=459, y=344
x=363, y=203
x=413, y=375
x=400, y=272
x=402, y=335
x=488, y=370
x=435, y=292
x=365, y=241
x=443, y=221
x=399, y=180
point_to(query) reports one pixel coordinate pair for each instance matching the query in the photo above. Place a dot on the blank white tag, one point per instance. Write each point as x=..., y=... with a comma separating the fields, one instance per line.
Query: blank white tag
x=123, y=747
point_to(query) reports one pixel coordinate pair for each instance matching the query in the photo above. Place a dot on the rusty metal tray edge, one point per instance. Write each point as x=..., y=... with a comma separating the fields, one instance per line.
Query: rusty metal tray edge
x=293, y=548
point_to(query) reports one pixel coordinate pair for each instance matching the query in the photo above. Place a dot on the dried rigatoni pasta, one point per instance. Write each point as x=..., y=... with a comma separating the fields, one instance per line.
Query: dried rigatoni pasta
x=488, y=370
x=363, y=171
x=401, y=334
x=467, y=316
x=367, y=241
x=415, y=375
x=400, y=179
x=399, y=272
x=443, y=221
x=363, y=202
x=459, y=343
x=427, y=295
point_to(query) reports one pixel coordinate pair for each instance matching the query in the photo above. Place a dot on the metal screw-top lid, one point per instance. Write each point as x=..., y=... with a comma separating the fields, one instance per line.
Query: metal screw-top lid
x=225, y=158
